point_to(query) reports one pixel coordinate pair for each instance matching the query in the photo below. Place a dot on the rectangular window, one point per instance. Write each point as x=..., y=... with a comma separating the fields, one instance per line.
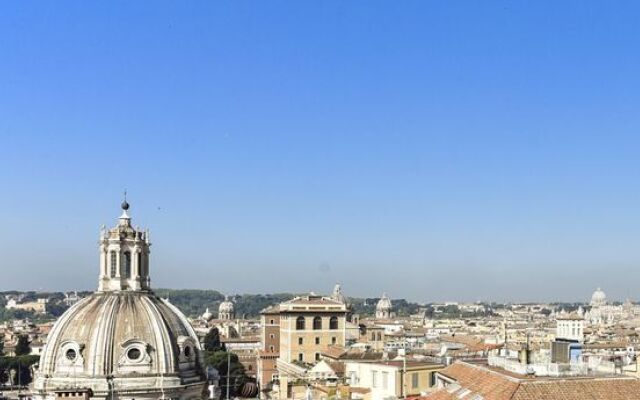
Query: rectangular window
x=385, y=380
x=141, y=270
x=127, y=264
x=317, y=356
x=415, y=379
x=300, y=357
x=374, y=378
x=333, y=340
x=317, y=340
x=114, y=264
x=432, y=379
x=300, y=341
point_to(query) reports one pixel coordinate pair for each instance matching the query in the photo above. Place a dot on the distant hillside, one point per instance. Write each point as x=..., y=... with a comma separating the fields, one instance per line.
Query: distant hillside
x=193, y=303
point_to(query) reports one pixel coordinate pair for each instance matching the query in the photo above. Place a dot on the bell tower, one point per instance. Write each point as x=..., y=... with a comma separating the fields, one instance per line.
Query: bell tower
x=124, y=256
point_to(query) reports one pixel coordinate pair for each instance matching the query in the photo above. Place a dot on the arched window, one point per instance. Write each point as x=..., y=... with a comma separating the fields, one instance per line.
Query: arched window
x=300, y=323
x=127, y=264
x=114, y=263
x=333, y=323
x=317, y=323
x=379, y=336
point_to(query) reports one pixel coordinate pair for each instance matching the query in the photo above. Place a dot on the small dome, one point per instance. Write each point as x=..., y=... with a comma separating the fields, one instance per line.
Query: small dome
x=384, y=304
x=337, y=294
x=226, y=306
x=207, y=316
x=599, y=298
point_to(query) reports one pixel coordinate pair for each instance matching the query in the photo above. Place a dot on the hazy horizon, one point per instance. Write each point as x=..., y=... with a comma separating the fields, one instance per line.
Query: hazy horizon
x=433, y=151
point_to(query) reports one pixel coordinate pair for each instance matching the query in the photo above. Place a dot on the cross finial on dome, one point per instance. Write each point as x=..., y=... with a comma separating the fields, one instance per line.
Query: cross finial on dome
x=125, y=218
x=125, y=205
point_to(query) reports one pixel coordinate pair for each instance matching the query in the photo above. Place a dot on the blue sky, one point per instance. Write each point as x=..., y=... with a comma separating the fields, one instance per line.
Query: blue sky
x=433, y=150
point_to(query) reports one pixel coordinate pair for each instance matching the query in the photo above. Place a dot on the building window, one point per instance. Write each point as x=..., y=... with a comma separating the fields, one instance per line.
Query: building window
x=414, y=380
x=333, y=323
x=271, y=321
x=300, y=323
x=373, y=336
x=140, y=266
x=317, y=323
x=385, y=380
x=333, y=340
x=432, y=379
x=379, y=336
x=300, y=357
x=114, y=263
x=271, y=336
x=317, y=340
x=271, y=348
x=300, y=341
x=127, y=264
x=317, y=356
x=374, y=378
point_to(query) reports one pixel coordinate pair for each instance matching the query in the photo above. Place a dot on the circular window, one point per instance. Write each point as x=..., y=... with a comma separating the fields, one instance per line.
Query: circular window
x=71, y=355
x=134, y=354
x=187, y=351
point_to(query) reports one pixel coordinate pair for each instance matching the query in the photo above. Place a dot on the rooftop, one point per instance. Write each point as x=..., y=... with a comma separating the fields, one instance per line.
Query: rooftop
x=483, y=382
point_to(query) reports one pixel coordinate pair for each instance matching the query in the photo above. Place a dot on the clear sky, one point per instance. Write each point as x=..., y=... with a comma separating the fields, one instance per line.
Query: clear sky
x=434, y=150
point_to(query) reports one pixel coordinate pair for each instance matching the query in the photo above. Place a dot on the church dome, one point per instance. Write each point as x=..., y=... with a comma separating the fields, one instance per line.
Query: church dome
x=122, y=341
x=207, y=315
x=226, y=306
x=599, y=298
x=384, y=304
x=338, y=295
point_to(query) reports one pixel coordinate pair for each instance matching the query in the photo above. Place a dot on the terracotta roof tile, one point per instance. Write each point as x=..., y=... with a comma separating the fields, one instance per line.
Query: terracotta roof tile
x=494, y=385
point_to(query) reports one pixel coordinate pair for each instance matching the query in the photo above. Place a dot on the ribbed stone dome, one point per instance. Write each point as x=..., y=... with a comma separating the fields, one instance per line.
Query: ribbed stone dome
x=122, y=342
x=143, y=342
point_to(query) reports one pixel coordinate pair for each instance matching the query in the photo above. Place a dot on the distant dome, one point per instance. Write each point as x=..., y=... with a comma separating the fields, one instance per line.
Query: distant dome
x=227, y=310
x=599, y=298
x=384, y=304
x=226, y=306
x=337, y=294
x=207, y=316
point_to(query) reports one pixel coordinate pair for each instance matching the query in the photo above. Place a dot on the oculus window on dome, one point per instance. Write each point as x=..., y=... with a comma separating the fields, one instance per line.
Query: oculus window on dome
x=134, y=354
x=71, y=355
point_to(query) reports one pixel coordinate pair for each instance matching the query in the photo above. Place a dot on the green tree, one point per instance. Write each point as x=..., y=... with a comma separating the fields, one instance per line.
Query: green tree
x=212, y=341
x=21, y=365
x=228, y=364
x=23, y=347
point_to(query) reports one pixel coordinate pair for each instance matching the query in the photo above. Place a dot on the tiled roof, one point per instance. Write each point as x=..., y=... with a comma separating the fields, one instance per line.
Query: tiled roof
x=472, y=381
x=313, y=300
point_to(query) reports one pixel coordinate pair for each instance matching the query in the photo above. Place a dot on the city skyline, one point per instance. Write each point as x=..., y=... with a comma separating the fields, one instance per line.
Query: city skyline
x=477, y=152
